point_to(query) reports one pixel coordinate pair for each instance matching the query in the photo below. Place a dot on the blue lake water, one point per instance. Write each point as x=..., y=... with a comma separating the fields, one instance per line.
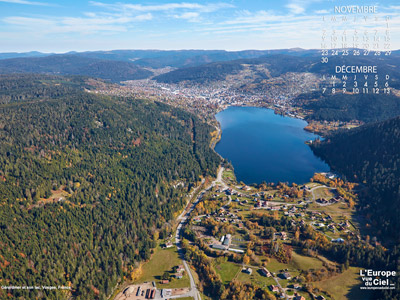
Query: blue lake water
x=263, y=146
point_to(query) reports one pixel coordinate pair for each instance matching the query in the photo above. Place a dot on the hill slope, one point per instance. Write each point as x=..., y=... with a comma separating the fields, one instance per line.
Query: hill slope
x=75, y=65
x=370, y=154
x=86, y=181
x=280, y=64
x=363, y=107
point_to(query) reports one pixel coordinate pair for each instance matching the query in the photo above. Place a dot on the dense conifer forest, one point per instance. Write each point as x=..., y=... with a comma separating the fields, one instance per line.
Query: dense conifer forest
x=86, y=181
x=370, y=155
x=363, y=107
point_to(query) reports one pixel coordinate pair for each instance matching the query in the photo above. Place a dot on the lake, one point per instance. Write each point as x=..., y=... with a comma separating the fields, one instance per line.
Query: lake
x=263, y=146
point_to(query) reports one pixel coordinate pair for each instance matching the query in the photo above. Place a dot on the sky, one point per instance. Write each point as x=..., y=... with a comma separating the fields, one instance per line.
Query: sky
x=78, y=25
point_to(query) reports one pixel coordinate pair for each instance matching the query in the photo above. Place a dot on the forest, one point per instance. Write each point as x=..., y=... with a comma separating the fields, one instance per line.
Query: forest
x=114, y=71
x=363, y=107
x=370, y=155
x=86, y=181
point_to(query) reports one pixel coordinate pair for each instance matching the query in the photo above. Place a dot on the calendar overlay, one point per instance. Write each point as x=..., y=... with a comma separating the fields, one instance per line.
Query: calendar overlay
x=350, y=34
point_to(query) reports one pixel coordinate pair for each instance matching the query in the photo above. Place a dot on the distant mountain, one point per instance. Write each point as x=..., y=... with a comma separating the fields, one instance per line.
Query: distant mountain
x=282, y=63
x=75, y=65
x=275, y=64
x=370, y=154
x=198, y=66
x=8, y=55
x=170, y=58
x=178, y=61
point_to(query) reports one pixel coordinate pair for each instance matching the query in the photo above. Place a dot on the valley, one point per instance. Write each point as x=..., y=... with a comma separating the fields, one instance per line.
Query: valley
x=130, y=162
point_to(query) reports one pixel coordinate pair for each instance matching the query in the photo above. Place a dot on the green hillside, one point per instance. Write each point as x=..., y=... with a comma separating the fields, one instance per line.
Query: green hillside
x=370, y=154
x=85, y=181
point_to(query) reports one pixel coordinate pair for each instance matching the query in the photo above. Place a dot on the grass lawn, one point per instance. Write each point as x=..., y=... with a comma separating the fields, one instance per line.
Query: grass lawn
x=305, y=263
x=245, y=213
x=344, y=284
x=275, y=266
x=323, y=193
x=255, y=278
x=229, y=175
x=163, y=260
x=227, y=271
x=337, y=211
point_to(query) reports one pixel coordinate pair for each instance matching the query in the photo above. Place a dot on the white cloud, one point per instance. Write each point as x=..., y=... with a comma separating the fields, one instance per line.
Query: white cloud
x=25, y=2
x=189, y=16
x=89, y=25
x=295, y=8
x=163, y=7
x=322, y=12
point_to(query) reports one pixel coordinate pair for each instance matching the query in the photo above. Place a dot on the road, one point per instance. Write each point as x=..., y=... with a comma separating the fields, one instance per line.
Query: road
x=182, y=218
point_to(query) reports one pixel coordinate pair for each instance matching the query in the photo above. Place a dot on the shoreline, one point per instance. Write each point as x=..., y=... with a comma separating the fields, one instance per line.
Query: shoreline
x=316, y=136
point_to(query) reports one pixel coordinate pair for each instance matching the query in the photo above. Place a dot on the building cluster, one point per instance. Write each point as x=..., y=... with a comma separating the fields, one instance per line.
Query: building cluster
x=207, y=98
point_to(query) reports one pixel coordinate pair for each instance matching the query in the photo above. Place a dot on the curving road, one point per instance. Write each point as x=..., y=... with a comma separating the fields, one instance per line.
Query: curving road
x=182, y=218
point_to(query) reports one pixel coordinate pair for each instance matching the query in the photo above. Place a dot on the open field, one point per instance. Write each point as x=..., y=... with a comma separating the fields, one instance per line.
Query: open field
x=341, y=286
x=256, y=278
x=227, y=271
x=163, y=260
x=275, y=266
x=305, y=263
x=337, y=211
x=229, y=174
x=323, y=192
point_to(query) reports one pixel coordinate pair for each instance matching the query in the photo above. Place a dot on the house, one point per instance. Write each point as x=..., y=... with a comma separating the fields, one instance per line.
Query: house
x=227, y=240
x=299, y=298
x=247, y=271
x=297, y=286
x=168, y=244
x=338, y=240
x=178, y=275
x=164, y=281
x=265, y=272
x=180, y=269
x=284, y=235
x=286, y=275
x=274, y=288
